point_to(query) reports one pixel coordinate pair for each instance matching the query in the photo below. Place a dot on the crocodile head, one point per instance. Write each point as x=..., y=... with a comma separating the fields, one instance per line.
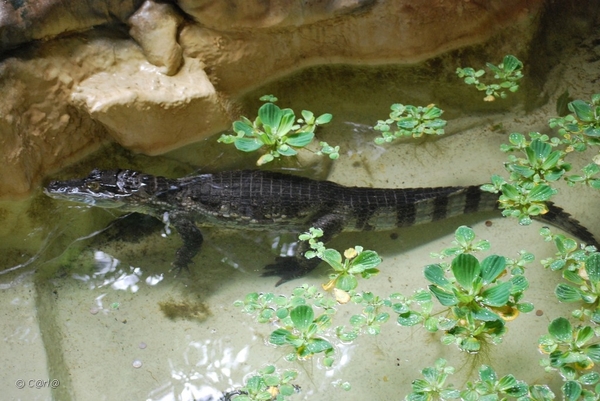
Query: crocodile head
x=125, y=189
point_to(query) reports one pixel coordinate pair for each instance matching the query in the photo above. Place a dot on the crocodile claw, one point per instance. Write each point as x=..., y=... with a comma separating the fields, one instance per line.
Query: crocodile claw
x=177, y=268
x=287, y=268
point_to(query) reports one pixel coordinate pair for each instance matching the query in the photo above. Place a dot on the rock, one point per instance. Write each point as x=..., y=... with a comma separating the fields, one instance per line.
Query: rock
x=24, y=21
x=149, y=112
x=240, y=15
x=154, y=27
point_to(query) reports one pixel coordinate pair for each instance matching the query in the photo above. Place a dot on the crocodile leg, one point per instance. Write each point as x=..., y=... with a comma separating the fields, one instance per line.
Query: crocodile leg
x=192, y=240
x=291, y=267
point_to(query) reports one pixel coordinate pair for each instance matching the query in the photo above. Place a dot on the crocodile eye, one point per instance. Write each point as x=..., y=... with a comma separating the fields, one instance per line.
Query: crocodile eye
x=94, y=186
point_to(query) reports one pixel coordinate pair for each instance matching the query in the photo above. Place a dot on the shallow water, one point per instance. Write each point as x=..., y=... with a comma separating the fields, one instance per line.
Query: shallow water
x=89, y=301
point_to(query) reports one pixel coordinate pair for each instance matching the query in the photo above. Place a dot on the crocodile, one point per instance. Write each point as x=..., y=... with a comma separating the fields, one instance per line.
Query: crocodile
x=262, y=200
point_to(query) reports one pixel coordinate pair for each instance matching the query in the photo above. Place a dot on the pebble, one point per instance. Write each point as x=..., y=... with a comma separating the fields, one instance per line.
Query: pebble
x=137, y=363
x=94, y=311
x=142, y=345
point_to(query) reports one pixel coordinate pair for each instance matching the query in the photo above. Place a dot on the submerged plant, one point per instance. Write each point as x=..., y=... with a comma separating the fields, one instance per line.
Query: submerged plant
x=278, y=130
x=508, y=73
x=407, y=121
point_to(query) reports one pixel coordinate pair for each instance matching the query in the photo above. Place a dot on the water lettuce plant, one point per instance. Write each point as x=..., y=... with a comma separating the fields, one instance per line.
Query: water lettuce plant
x=356, y=261
x=507, y=73
x=410, y=121
x=488, y=386
x=542, y=162
x=571, y=350
x=583, y=122
x=478, y=302
x=299, y=327
x=279, y=131
x=266, y=385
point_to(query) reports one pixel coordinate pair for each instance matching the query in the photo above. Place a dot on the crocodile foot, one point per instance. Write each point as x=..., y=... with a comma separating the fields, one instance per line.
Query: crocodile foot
x=177, y=268
x=288, y=268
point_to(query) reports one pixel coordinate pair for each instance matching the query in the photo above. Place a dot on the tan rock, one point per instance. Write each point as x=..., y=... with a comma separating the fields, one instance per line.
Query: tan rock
x=23, y=21
x=154, y=27
x=239, y=15
x=149, y=112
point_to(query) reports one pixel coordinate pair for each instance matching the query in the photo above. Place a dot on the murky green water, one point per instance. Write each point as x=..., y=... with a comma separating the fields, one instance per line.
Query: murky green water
x=89, y=299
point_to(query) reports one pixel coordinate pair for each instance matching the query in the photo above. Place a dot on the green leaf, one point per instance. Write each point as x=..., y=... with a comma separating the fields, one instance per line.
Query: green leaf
x=248, y=144
x=511, y=63
x=540, y=149
x=510, y=191
x=584, y=334
x=268, y=98
x=286, y=150
x=408, y=123
x=541, y=392
x=264, y=159
x=552, y=160
x=308, y=116
x=466, y=270
x=592, y=267
x=519, y=284
x=280, y=337
x=492, y=267
x=242, y=127
x=561, y=329
x=301, y=139
x=302, y=317
x=497, y=295
x=486, y=373
x=592, y=131
x=286, y=122
x=286, y=390
x=316, y=345
x=444, y=297
x=333, y=259
x=323, y=119
x=506, y=383
x=366, y=260
x=571, y=390
x=432, y=113
x=409, y=319
x=583, y=110
x=541, y=193
x=589, y=379
x=525, y=307
x=346, y=282
x=484, y=314
x=566, y=293
x=270, y=115
x=470, y=344
x=593, y=351
x=464, y=235
x=517, y=139
x=435, y=274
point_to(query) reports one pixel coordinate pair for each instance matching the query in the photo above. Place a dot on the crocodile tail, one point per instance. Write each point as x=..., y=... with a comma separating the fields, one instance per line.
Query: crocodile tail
x=557, y=217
